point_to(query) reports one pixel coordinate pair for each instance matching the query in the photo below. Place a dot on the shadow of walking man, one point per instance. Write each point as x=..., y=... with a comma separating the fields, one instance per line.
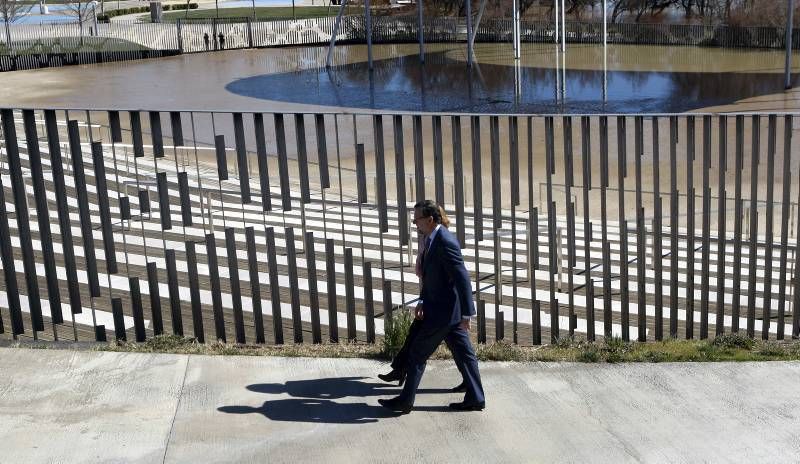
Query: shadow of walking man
x=312, y=401
x=314, y=410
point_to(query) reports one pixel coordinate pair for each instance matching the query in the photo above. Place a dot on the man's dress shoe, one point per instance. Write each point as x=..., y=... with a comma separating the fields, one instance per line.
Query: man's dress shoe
x=463, y=406
x=460, y=388
x=393, y=376
x=395, y=405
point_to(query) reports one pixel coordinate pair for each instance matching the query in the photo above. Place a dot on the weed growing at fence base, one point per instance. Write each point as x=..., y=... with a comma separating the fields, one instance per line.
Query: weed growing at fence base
x=727, y=348
x=396, y=332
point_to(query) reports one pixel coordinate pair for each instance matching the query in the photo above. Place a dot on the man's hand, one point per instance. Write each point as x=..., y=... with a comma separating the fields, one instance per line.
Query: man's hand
x=464, y=324
x=418, y=312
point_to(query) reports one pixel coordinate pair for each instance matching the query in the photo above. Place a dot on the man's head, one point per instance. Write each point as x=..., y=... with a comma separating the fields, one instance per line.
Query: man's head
x=427, y=216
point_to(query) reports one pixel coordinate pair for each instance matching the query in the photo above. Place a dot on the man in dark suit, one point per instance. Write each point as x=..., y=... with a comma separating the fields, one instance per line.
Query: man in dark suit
x=400, y=361
x=447, y=309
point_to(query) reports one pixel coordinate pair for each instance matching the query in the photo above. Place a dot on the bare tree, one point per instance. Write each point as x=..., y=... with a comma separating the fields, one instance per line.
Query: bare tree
x=11, y=11
x=637, y=8
x=81, y=11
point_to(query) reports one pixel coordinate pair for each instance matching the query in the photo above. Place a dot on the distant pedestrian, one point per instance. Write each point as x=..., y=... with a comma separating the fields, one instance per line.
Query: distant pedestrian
x=206, y=40
x=221, y=41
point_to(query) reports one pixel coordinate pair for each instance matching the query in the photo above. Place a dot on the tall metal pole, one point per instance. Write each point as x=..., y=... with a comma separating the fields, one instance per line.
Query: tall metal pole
x=515, y=28
x=478, y=18
x=419, y=32
x=369, y=32
x=605, y=51
x=335, y=33
x=468, y=5
x=519, y=29
x=558, y=72
x=605, y=24
x=557, y=16
x=789, y=25
x=563, y=27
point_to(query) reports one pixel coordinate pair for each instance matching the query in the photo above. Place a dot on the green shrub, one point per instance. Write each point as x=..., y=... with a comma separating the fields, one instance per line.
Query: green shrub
x=589, y=354
x=794, y=349
x=616, y=344
x=499, y=351
x=772, y=349
x=180, y=6
x=125, y=11
x=565, y=341
x=143, y=9
x=614, y=357
x=395, y=333
x=733, y=341
x=161, y=343
x=655, y=356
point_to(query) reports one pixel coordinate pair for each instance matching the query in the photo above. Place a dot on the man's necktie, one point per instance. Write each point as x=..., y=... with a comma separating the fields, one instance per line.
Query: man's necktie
x=424, y=254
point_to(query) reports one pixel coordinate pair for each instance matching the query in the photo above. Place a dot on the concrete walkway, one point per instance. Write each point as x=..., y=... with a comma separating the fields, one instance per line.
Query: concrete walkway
x=78, y=406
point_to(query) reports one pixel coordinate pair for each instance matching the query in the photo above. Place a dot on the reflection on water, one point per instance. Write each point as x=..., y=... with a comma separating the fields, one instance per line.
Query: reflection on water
x=444, y=84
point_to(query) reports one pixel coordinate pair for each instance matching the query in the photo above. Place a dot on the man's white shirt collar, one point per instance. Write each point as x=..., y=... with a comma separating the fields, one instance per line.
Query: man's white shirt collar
x=433, y=234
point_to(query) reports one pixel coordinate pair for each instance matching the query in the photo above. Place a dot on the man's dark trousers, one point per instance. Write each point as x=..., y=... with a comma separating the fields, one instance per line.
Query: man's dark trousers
x=424, y=345
x=447, y=297
x=400, y=361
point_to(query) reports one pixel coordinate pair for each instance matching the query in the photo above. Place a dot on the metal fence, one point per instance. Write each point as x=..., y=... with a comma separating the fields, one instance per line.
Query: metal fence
x=643, y=34
x=277, y=227
x=45, y=45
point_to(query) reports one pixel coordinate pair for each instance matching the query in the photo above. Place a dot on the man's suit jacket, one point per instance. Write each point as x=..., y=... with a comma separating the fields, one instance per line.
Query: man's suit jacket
x=446, y=291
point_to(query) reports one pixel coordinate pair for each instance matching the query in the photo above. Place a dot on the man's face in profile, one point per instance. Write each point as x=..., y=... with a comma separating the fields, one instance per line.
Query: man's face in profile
x=425, y=224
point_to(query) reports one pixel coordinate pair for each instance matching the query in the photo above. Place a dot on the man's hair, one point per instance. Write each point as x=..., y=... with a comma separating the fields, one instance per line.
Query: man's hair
x=429, y=208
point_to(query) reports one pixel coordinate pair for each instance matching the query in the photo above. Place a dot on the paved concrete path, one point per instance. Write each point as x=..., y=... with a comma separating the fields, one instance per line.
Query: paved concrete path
x=78, y=406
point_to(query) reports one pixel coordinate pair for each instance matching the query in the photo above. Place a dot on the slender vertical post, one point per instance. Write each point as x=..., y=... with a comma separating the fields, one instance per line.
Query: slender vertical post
x=180, y=36
x=563, y=27
x=605, y=24
x=721, y=242
x=789, y=24
x=623, y=255
x=690, y=223
x=657, y=234
x=518, y=22
x=768, y=251
x=556, y=2
x=470, y=36
x=753, y=229
x=605, y=52
x=336, y=25
x=737, y=232
x=515, y=27
x=419, y=32
x=706, y=225
x=787, y=185
x=604, y=184
x=478, y=18
x=368, y=19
